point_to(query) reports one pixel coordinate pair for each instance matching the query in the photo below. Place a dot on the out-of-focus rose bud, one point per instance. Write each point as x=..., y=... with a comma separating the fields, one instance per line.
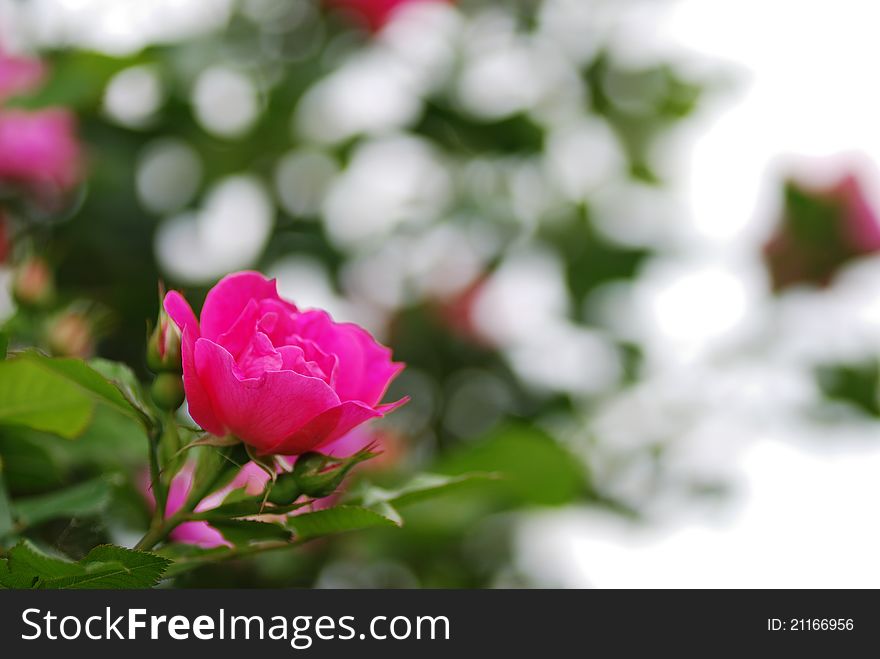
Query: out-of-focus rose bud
x=163, y=346
x=40, y=149
x=374, y=14
x=33, y=284
x=319, y=475
x=70, y=334
x=821, y=230
x=167, y=391
x=19, y=74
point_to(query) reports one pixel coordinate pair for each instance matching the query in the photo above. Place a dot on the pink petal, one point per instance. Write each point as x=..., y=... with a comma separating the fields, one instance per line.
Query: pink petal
x=228, y=299
x=180, y=312
x=329, y=426
x=197, y=401
x=199, y=533
x=350, y=443
x=260, y=411
x=365, y=368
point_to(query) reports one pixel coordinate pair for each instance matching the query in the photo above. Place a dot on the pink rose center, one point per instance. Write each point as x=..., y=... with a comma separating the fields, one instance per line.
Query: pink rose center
x=266, y=338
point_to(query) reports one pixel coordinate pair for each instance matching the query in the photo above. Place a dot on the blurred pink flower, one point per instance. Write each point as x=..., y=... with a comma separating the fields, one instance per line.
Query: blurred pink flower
x=252, y=478
x=373, y=13
x=281, y=380
x=200, y=533
x=19, y=74
x=39, y=149
x=821, y=229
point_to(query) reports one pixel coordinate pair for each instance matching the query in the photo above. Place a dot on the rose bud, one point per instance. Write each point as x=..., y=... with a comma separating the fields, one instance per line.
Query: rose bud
x=821, y=230
x=281, y=380
x=70, y=334
x=167, y=391
x=318, y=475
x=285, y=490
x=163, y=346
x=32, y=283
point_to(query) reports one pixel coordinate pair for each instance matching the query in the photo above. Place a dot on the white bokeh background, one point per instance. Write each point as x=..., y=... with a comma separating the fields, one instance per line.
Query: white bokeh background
x=804, y=511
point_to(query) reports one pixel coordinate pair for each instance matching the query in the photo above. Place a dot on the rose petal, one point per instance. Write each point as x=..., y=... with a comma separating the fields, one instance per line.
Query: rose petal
x=199, y=533
x=239, y=334
x=259, y=357
x=226, y=301
x=364, y=369
x=180, y=312
x=331, y=425
x=197, y=401
x=260, y=411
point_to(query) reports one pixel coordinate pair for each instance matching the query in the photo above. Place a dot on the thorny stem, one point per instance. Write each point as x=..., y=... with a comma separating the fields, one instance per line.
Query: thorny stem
x=159, y=531
x=160, y=491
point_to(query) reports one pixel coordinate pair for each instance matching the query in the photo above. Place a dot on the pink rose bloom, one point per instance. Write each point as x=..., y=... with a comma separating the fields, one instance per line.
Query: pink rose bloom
x=281, y=380
x=39, y=148
x=374, y=13
x=19, y=74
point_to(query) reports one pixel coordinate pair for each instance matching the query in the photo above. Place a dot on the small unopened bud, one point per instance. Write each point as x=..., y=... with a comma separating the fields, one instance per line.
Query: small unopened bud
x=285, y=489
x=318, y=475
x=70, y=334
x=163, y=346
x=167, y=391
x=33, y=284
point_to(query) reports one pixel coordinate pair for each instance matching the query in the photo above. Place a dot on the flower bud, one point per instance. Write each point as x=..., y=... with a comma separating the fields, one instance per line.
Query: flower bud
x=167, y=391
x=319, y=475
x=32, y=283
x=70, y=334
x=285, y=490
x=163, y=346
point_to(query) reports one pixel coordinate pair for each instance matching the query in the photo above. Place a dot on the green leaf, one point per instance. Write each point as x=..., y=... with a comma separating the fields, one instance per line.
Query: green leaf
x=124, y=379
x=89, y=498
x=6, y=524
x=532, y=467
x=26, y=566
x=336, y=520
x=86, y=377
x=106, y=566
x=33, y=397
x=29, y=460
x=55, y=395
x=244, y=532
x=419, y=488
x=4, y=344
